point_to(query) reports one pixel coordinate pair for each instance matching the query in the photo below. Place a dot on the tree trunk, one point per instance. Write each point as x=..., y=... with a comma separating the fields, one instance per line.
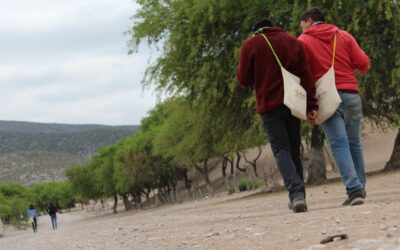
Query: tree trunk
x=238, y=157
x=254, y=162
x=115, y=203
x=138, y=200
x=210, y=188
x=394, y=162
x=127, y=203
x=228, y=161
x=160, y=198
x=188, y=182
x=224, y=166
x=317, y=166
x=174, y=192
x=232, y=168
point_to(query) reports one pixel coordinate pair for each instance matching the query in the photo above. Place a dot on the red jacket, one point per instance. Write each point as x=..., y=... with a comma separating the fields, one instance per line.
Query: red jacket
x=318, y=41
x=258, y=67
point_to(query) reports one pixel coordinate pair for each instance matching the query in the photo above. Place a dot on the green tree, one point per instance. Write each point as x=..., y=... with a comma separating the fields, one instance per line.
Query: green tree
x=187, y=136
x=152, y=170
x=13, y=203
x=59, y=193
x=105, y=174
x=83, y=181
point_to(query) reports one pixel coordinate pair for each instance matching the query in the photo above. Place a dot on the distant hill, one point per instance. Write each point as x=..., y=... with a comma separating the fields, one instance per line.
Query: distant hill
x=38, y=152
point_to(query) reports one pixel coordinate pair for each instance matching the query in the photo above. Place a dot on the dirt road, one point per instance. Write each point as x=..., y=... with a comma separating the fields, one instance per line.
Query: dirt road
x=240, y=221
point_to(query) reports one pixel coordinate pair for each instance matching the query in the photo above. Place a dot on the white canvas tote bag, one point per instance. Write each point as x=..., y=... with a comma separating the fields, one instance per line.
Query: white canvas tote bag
x=327, y=94
x=295, y=97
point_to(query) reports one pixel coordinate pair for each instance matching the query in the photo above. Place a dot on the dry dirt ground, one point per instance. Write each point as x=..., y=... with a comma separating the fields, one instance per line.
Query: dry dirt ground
x=250, y=220
x=240, y=221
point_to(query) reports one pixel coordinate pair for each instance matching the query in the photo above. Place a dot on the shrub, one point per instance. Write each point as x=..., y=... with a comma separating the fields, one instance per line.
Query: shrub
x=13, y=210
x=246, y=184
x=232, y=188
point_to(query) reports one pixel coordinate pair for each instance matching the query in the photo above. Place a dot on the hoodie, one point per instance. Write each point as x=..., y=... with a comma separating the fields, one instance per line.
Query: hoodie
x=318, y=42
x=259, y=68
x=32, y=213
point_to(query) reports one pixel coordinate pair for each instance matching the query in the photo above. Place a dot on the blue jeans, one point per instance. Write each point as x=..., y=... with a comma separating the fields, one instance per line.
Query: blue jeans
x=54, y=220
x=283, y=131
x=344, y=137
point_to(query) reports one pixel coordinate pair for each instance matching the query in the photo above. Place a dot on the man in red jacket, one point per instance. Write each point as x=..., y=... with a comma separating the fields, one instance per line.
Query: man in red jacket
x=259, y=68
x=342, y=129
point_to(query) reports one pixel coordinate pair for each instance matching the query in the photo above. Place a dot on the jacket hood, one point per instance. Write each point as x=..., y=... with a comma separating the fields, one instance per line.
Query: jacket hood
x=269, y=30
x=324, y=32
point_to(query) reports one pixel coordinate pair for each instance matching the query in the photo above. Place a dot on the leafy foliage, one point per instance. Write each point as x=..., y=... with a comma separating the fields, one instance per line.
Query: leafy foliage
x=58, y=193
x=246, y=184
x=15, y=199
x=13, y=203
x=83, y=181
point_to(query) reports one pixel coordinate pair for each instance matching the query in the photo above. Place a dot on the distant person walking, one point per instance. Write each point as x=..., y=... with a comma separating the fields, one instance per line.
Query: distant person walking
x=52, y=211
x=259, y=67
x=32, y=215
x=328, y=46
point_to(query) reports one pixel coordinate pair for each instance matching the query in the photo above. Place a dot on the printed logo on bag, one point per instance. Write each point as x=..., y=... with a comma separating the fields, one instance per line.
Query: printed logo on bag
x=322, y=95
x=300, y=95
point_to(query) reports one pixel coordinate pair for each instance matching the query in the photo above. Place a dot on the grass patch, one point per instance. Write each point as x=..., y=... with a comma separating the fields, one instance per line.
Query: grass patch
x=245, y=184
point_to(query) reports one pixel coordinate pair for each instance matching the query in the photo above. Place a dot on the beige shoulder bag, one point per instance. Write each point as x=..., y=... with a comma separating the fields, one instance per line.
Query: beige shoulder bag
x=327, y=94
x=294, y=94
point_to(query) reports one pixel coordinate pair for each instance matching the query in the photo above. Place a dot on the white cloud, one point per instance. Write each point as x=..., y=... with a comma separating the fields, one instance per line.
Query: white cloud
x=66, y=61
x=44, y=15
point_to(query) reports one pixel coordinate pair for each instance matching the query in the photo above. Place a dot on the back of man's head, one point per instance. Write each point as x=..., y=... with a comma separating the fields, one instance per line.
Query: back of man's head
x=261, y=24
x=314, y=13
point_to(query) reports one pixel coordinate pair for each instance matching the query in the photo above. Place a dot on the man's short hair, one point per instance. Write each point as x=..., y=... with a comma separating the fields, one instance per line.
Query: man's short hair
x=314, y=13
x=262, y=23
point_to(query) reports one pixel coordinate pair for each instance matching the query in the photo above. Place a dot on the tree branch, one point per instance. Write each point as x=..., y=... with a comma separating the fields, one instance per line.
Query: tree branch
x=238, y=161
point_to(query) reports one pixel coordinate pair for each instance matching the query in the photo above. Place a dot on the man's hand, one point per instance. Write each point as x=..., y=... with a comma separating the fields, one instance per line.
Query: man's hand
x=311, y=116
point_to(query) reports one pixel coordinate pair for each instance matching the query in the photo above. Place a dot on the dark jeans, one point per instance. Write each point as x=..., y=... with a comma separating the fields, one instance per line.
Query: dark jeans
x=34, y=224
x=54, y=220
x=283, y=131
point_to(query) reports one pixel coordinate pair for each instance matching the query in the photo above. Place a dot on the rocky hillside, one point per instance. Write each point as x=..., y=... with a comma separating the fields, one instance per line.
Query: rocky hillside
x=38, y=152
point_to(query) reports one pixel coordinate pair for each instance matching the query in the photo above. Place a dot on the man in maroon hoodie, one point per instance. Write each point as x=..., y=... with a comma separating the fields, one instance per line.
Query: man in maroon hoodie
x=258, y=68
x=342, y=129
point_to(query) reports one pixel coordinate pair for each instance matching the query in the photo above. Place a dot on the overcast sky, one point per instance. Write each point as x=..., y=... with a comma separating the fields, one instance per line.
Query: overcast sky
x=67, y=62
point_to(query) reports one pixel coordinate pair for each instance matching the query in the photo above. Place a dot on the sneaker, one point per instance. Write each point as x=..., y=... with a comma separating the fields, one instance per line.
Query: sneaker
x=298, y=205
x=355, y=198
x=290, y=206
x=364, y=194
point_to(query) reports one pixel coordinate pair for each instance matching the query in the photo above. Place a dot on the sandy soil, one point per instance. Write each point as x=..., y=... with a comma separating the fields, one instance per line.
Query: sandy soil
x=240, y=221
x=250, y=220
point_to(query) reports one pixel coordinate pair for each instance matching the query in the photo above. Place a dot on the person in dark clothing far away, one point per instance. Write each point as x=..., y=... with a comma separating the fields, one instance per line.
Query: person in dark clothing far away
x=33, y=214
x=343, y=128
x=52, y=211
x=259, y=68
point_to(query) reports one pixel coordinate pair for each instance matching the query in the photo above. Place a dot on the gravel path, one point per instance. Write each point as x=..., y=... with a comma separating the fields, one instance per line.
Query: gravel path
x=240, y=221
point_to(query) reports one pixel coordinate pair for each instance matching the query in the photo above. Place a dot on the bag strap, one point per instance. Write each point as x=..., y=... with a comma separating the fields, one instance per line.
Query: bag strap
x=334, y=49
x=273, y=51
